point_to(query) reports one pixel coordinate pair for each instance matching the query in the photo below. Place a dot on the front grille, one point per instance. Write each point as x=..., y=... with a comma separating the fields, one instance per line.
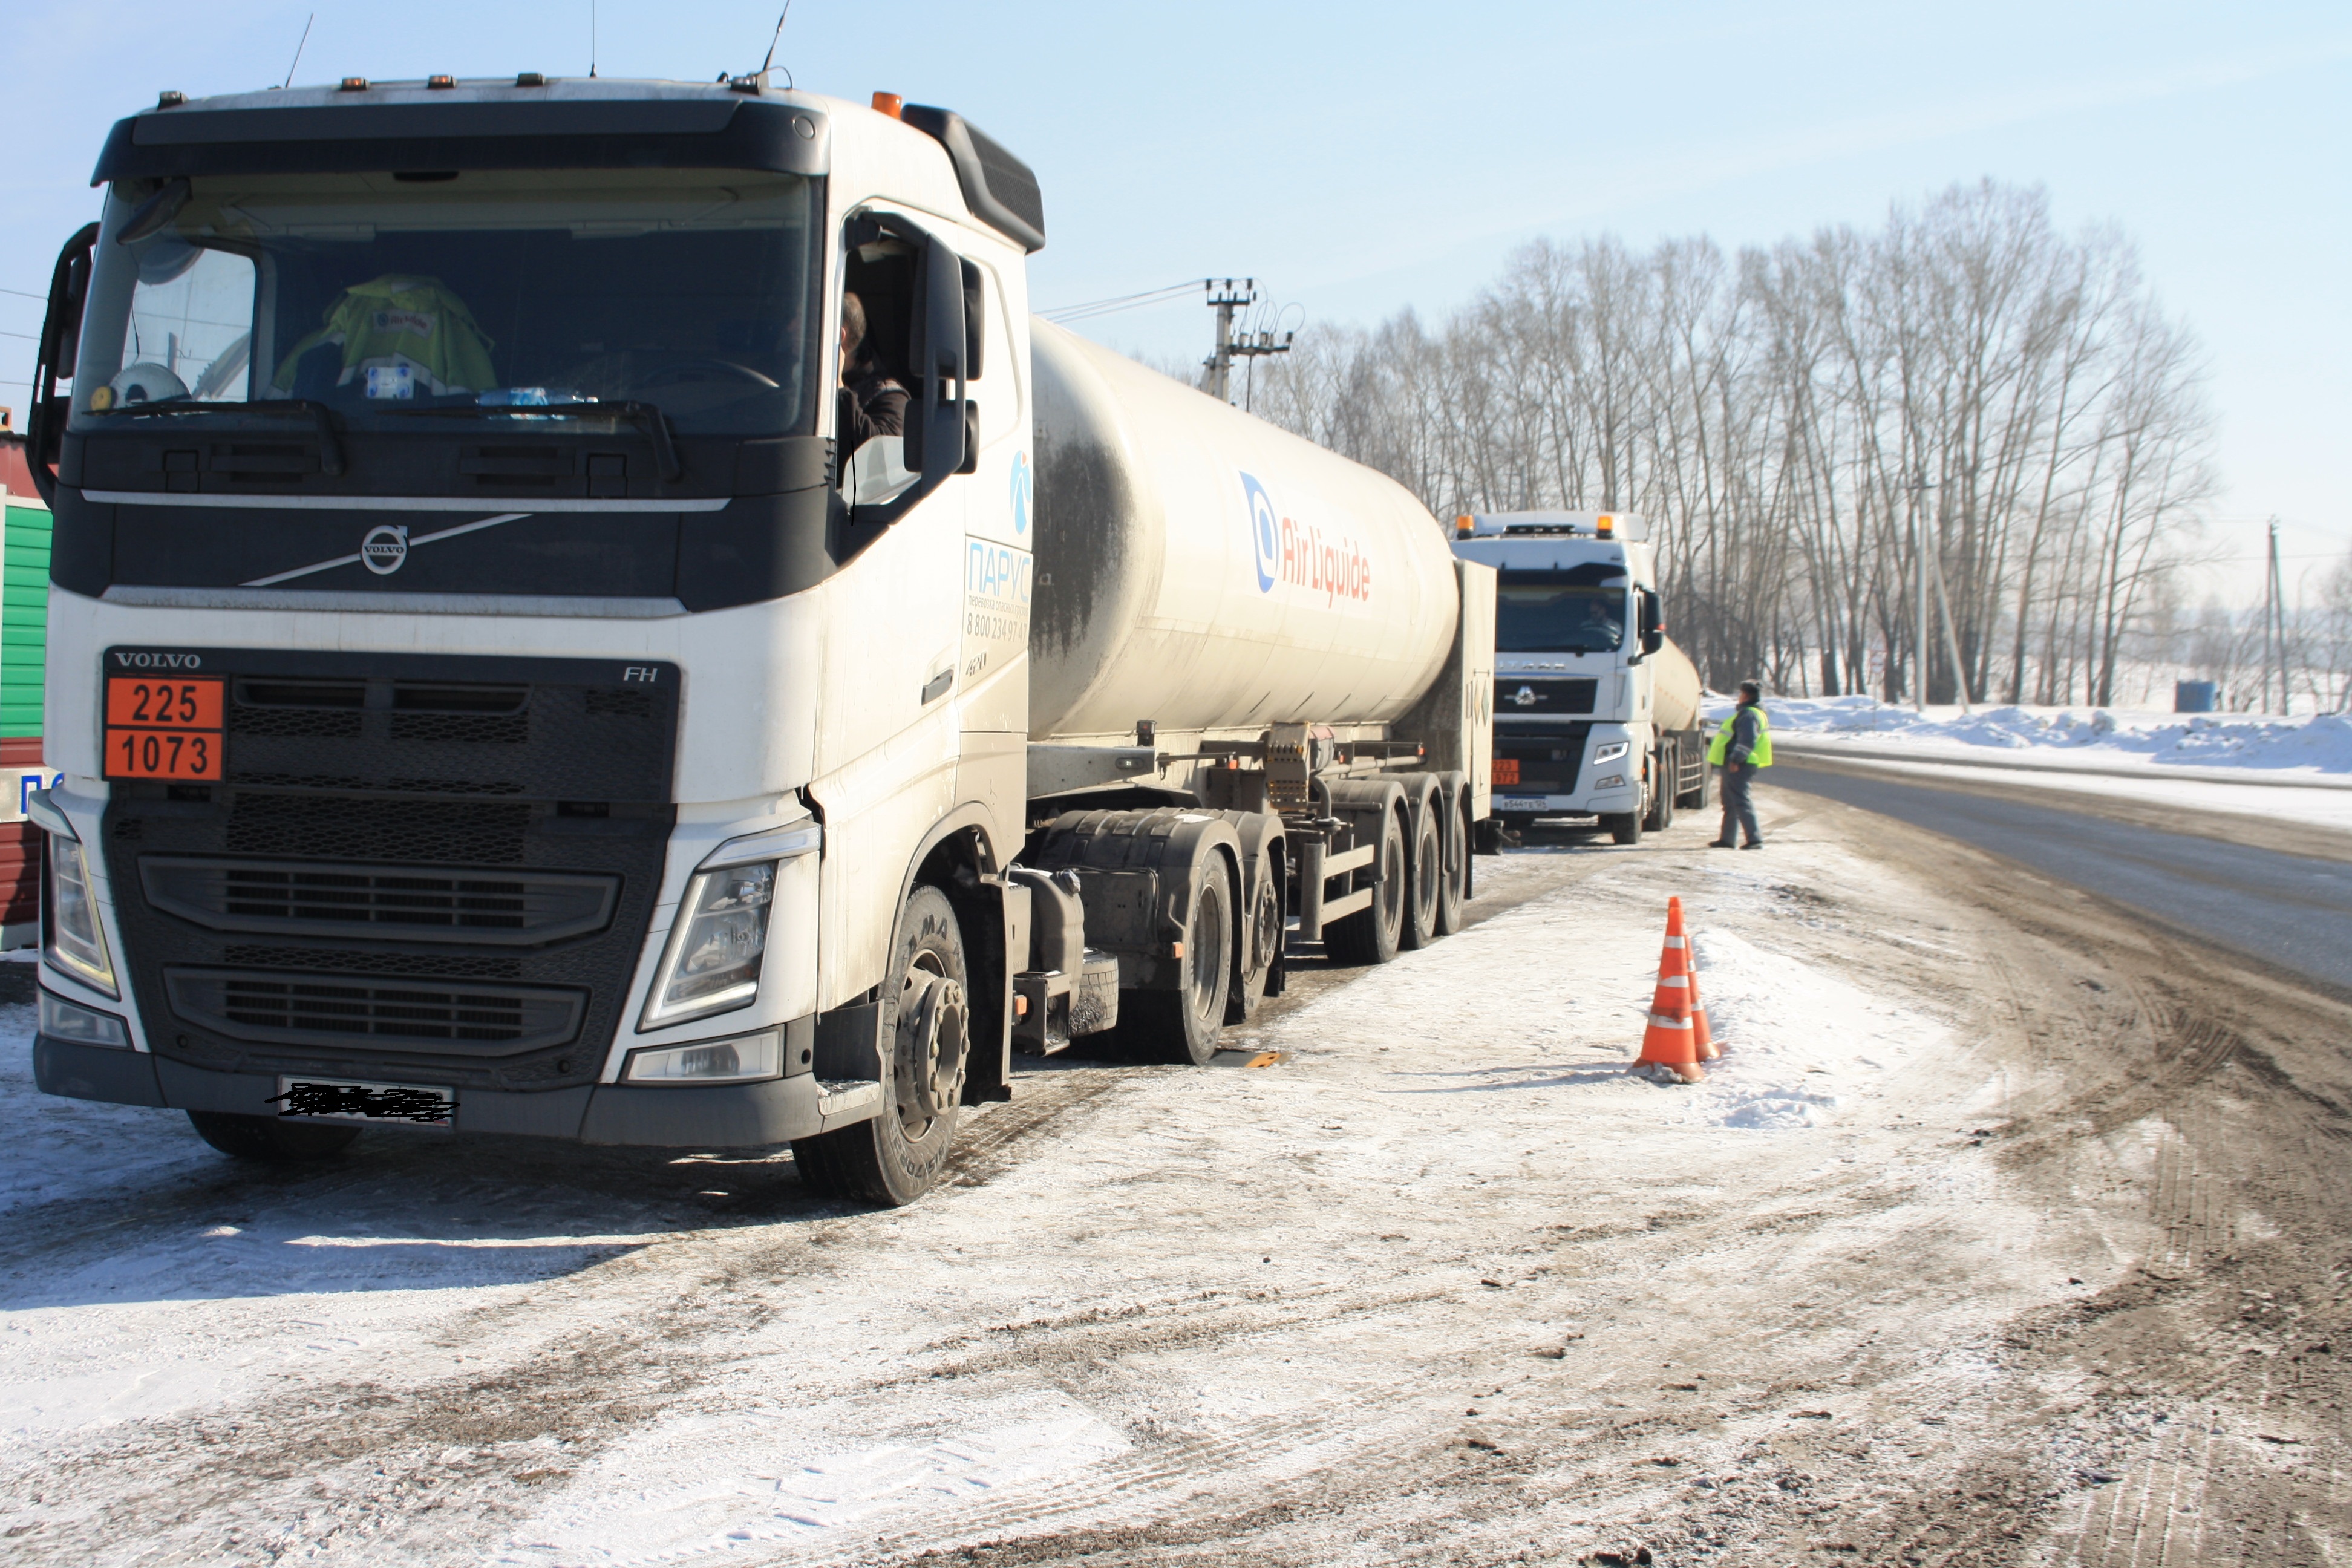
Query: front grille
x=1551, y=760
x=1538, y=694
x=272, y=1008
x=399, y=902
x=411, y=861
x=424, y=830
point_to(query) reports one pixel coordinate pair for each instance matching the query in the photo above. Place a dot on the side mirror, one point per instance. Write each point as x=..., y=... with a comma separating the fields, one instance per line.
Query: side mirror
x=1653, y=621
x=935, y=417
x=60, y=346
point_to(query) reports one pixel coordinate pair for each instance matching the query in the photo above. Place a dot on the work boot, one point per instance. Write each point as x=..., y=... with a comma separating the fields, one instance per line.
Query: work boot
x=1753, y=843
x=1721, y=844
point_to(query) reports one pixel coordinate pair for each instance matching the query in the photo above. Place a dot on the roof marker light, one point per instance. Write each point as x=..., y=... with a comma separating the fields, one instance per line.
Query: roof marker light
x=1605, y=526
x=530, y=78
x=354, y=84
x=440, y=81
x=1465, y=526
x=168, y=99
x=889, y=103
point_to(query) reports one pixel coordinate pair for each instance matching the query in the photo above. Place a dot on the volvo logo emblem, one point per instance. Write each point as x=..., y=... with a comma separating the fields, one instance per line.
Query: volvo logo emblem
x=385, y=550
x=1525, y=696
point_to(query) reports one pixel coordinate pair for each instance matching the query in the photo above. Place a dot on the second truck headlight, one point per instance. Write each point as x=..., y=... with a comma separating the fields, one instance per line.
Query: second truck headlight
x=712, y=963
x=1611, y=752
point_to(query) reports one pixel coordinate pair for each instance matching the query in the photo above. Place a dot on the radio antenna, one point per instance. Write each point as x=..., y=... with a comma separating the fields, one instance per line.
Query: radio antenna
x=771, y=43
x=592, y=40
x=299, y=49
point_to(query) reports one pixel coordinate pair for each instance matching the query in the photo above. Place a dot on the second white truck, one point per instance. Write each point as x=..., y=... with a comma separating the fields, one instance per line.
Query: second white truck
x=1596, y=711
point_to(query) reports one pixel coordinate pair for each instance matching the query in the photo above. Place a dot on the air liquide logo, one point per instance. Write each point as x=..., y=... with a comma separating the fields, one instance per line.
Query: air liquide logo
x=385, y=550
x=1265, y=532
x=1326, y=563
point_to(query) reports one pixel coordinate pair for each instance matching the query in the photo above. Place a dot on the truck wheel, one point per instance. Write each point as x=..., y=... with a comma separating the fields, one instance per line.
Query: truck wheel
x=925, y=1029
x=1454, y=890
x=1372, y=935
x=1625, y=826
x=1182, y=1025
x=1260, y=940
x=275, y=1140
x=1662, y=790
x=1425, y=883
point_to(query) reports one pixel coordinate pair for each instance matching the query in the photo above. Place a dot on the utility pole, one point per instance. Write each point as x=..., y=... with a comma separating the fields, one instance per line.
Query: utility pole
x=2274, y=625
x=1225, y=297
x=1918, y=489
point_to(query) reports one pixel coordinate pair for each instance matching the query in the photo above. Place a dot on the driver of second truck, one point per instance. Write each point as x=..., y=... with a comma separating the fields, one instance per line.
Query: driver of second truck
x=872, y=403
x=1742, y=745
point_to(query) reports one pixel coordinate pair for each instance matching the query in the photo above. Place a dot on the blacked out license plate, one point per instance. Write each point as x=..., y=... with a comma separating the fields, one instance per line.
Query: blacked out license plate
x=345, y=1100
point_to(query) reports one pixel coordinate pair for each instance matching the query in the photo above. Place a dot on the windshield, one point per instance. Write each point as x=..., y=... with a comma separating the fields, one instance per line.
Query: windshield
x=1580, y=610
x=378, y=295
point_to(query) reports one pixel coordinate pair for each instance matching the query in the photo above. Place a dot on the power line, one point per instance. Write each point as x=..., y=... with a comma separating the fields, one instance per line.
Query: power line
x=1093, y=308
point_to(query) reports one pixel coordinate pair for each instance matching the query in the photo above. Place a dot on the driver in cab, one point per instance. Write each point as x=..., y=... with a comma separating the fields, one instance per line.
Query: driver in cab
x=872, y=403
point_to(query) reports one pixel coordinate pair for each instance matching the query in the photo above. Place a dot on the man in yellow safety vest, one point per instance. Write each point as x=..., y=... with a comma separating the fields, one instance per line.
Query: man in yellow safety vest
x=1741, y=746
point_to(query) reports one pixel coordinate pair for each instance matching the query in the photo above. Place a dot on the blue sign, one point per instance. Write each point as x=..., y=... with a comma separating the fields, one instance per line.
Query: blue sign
x=1265, y=532
x=1021, y=489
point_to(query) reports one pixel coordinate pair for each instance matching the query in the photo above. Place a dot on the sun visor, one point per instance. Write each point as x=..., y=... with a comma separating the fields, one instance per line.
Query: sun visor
x=1000, y=189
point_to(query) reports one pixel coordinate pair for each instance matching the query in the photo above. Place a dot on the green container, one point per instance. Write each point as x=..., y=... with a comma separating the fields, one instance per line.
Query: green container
x=23, y=616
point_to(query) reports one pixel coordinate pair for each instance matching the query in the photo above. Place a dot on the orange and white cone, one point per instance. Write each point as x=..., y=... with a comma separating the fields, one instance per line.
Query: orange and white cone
x=1677, y=937
x=1670, y=1041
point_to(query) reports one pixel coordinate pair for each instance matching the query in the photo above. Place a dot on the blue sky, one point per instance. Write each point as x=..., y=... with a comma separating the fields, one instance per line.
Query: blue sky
x=1359, y=158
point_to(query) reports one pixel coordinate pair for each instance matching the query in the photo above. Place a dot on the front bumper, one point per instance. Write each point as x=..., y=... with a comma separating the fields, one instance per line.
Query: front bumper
x=721, y=1116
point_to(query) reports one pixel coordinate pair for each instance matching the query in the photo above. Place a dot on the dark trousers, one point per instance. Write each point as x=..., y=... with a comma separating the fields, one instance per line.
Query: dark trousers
x=1739, y=805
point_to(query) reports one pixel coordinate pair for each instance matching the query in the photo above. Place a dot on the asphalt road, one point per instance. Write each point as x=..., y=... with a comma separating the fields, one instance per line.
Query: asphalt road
x=2288, y=910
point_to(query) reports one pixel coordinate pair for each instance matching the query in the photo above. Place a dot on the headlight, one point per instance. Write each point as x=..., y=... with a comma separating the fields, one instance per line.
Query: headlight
x=712, y=963
x=1611, y=752
x=64, y=1020
x=739, y=1061
x=76, y=941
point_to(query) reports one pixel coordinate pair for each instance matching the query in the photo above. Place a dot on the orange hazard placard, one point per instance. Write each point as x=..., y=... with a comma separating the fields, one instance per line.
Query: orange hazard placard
x=162, y=729
x=164, y=704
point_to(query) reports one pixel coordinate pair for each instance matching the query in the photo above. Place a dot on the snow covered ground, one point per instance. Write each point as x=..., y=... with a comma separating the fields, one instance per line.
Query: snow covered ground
x=1184, y=1291
x=2314, y=750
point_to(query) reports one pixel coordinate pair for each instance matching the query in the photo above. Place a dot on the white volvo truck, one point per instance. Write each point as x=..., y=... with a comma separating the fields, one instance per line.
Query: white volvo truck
x=1596, y=711
x=491, y=699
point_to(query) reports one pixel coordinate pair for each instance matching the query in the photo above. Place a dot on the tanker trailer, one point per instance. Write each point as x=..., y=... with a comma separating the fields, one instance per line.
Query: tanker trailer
x=1596, y=711
x=1257, y=698
x=502, y=683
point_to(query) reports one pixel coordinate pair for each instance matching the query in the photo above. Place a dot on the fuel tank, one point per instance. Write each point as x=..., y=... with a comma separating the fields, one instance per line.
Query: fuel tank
x=1201, y=569
x=1674, y=689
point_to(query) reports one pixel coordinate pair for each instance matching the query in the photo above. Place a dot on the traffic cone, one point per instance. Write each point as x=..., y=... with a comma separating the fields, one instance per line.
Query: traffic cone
x=1670, y=1041
x=1701, y=1036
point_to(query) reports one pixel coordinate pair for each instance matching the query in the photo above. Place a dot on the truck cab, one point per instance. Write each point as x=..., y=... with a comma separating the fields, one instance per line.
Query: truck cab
x=1593, y=706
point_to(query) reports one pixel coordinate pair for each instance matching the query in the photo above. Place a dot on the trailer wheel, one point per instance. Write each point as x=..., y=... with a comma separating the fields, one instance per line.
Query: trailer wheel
x=926, y=1035
x=1454, y=891
x=1254, y=950
x=273, y=1139
x=1182, y=1025
x=1372, y=935
x=1424, y=880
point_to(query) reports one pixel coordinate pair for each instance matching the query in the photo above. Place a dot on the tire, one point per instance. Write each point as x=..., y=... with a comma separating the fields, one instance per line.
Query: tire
x=1182, y=1026
x=271, y=1140
x=926, y=1034
x=1258, y=943
x=1425, y=876
x=1663, y=779
x=1453, y=892
x=1625, y=826
x=1372, y=935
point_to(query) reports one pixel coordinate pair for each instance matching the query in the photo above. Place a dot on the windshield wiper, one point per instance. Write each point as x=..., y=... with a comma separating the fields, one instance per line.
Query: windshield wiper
x=644, y=416
x=330, y=451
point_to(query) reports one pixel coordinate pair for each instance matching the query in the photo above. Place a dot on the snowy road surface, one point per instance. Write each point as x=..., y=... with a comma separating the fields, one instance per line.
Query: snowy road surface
x=2002, y=1233
x=2292, y=911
